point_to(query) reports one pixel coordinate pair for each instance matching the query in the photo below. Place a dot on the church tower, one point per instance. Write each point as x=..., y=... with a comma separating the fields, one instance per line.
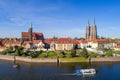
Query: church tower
x=30, y=32
x=94, y=31
x=88, y=31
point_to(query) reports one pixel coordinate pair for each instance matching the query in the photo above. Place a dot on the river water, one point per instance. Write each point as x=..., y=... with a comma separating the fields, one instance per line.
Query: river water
x=53, y=71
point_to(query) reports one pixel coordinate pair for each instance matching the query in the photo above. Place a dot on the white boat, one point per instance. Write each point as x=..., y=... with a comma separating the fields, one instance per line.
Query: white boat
x=86, y=72
x=15, y=66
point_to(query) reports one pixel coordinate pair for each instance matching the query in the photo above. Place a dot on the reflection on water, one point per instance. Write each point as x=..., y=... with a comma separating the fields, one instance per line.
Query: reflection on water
x=54, y=71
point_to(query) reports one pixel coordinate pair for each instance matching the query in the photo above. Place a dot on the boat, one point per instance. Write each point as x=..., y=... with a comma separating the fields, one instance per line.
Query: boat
x=86, y=72
x=15, y=66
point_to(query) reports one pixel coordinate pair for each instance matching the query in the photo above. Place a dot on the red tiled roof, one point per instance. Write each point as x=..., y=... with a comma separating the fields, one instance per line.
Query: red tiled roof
x=37, y=33
x=2, y=47
x=32, y=42
x=76, y=42
x=118, y=46
x=27, y=42
x=83, y=41
x=25, y=34
x=34, y=34
x=49, y=40
x=64, y=41
x=100, y=41
x=10, y=41
x=36, y=41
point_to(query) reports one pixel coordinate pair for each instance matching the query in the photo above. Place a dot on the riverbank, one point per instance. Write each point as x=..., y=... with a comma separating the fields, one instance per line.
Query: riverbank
x=106, y=59
x=27, y=59
x=60, y=60
x=72, y=60
x=55, y=60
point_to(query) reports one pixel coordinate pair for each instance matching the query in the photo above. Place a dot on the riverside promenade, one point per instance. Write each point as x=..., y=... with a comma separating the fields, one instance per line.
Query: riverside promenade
x=28, y=59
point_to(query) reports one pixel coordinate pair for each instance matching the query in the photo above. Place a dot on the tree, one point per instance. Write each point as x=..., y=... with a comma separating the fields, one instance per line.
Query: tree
x=82, y=39
x=84, y=53
x=75, y=38
x=63, y=54
x=18, y=52
x=73, y=53
x=33, y=54
x=10, y=48
x=109, y=53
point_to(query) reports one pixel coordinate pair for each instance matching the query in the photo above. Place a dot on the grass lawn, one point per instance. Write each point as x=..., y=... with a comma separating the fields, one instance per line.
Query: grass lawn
x=76, y=59
x=50, y=54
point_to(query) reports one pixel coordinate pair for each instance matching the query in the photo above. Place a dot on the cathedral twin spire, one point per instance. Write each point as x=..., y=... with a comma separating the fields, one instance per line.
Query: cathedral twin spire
x=91, y=35
x=30, y=32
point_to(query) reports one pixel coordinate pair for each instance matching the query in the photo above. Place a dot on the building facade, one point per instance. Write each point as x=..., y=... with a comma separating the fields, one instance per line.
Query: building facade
x=30, y=35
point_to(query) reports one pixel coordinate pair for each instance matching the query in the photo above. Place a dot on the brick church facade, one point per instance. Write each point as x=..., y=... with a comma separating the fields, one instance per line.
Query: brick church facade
x=30, y=35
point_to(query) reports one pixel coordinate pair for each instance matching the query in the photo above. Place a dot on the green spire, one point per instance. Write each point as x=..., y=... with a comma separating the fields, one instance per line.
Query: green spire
x=31, y=25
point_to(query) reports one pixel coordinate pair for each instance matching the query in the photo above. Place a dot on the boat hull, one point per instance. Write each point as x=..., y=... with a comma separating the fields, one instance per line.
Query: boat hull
x=86, y=72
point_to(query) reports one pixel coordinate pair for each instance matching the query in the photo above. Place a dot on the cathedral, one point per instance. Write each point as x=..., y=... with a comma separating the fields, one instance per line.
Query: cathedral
x=30, y=35
x=91, y=34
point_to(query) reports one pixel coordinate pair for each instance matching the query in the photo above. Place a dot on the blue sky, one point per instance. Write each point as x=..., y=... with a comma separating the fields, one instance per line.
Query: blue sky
x=61, y=18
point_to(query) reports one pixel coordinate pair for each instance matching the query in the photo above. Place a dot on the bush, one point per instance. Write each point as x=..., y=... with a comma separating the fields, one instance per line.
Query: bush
x=68, y=55
x=42, y=54
x=84, y=53
x=4, y=52
x=33, y=54
x=18, y=52
x=61, y=55
x=92, y=55
x=52, y=54
x=73, y=53
x=109, y=53
x=117, y=52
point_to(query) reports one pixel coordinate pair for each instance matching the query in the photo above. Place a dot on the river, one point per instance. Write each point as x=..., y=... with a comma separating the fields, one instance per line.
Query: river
x=53, y=71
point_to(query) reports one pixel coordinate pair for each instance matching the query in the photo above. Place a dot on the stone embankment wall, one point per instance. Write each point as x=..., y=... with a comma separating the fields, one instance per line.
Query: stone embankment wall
x=27, y=59
x=105, y=59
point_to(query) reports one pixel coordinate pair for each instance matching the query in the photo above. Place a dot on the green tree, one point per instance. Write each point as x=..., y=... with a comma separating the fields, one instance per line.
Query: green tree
x=10, y=48
x=4, y=52
x=33, y=54
x=84, y=53
x=75, y=38
x=92, y=54
x=19, y=51
x=42, y=54
x=109, y=53
x=73, y=53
